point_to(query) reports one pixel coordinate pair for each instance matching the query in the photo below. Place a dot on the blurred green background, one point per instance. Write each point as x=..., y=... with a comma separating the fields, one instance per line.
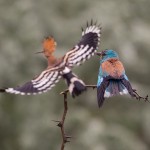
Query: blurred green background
x=26, y=121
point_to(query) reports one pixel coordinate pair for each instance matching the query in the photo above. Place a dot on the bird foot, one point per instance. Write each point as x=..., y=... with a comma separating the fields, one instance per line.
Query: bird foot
x=138, y=97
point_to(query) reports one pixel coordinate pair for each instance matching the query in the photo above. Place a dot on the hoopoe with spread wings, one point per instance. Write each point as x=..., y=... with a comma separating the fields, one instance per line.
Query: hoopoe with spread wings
x=61, y=67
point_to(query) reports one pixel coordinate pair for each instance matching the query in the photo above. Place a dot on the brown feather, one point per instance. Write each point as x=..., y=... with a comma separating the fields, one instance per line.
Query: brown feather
x=113, y=67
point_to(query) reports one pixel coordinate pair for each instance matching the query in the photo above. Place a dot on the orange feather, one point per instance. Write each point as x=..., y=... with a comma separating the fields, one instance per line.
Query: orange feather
x=113, y=67
x=49, y=46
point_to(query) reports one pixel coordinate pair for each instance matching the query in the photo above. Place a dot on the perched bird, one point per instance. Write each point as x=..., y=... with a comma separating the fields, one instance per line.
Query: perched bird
x=61, y=67
x=112, y=79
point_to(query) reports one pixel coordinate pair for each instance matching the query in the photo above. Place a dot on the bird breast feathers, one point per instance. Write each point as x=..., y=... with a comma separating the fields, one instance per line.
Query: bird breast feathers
x=113, y=67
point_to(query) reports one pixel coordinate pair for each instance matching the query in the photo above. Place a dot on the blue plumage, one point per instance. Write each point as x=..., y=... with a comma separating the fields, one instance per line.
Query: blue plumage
x=112, y=79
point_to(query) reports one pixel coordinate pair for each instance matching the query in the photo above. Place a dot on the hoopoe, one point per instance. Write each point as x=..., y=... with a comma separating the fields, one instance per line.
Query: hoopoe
x=61, y=67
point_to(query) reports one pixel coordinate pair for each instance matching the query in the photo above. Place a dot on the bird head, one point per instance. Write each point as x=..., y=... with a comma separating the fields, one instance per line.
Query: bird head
x=49, y=46
x=107, y=54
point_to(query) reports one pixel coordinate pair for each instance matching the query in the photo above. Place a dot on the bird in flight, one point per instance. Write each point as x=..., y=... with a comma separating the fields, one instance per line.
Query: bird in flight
x=61, y=67
x=112, y=79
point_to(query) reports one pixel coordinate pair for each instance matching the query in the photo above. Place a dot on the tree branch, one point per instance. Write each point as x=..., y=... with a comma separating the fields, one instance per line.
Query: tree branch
x=138, y=97
x=66, y=138
x=88, y=86
x=61, y=124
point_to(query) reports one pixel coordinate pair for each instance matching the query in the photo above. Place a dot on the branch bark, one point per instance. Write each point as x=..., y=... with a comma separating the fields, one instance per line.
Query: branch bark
x=88, y=86
x=66, y=138
x=61, y=124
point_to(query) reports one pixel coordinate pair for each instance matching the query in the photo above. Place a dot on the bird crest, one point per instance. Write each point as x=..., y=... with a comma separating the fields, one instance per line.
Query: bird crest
x=49, y=46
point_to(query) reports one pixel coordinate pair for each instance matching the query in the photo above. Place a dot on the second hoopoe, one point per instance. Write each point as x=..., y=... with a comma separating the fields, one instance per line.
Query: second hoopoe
x=61, y=67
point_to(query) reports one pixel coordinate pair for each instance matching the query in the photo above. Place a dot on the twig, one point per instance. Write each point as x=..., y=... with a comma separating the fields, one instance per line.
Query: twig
x=138, y=97
x=65, y=138
x=88, y=86
x=61, y=124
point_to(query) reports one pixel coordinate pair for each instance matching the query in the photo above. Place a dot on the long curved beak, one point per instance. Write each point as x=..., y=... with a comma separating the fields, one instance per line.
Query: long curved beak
x=39, y=52
x=99, y=53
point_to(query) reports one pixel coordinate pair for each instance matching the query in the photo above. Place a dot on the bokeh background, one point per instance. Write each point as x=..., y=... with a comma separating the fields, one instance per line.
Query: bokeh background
x=26, y=121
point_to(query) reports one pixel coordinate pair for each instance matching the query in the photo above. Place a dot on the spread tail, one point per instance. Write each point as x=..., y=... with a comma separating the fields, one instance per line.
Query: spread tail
x=115, y=87
x=111, y=87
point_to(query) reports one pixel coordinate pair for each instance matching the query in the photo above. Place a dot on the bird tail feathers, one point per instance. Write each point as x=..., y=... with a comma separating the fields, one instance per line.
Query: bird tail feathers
x=75, y=85
x=111, y=87
x=115, y=87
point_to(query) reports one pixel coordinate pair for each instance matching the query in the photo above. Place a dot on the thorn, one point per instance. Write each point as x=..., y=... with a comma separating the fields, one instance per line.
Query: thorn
x=68, y=136
x=138, y=97
x=66, y=140
x=146, y=99
x=55, y=121
x=59, y=123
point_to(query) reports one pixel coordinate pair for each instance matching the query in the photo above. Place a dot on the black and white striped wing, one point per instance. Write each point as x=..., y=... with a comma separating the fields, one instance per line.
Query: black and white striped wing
x=87, y=46
x=44, y=82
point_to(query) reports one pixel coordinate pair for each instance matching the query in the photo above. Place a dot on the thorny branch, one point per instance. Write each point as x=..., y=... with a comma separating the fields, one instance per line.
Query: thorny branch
x=138, y=97
x=66, y=138
x=61, y=124
x=88, y=86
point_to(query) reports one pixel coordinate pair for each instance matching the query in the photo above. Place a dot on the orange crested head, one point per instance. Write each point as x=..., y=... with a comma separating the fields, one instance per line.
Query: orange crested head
x=49, y=46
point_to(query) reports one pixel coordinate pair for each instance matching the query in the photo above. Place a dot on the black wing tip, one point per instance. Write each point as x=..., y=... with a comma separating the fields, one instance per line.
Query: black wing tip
x=3, y=90
x=82, y=29
x=92, y=23
x=100, y=101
